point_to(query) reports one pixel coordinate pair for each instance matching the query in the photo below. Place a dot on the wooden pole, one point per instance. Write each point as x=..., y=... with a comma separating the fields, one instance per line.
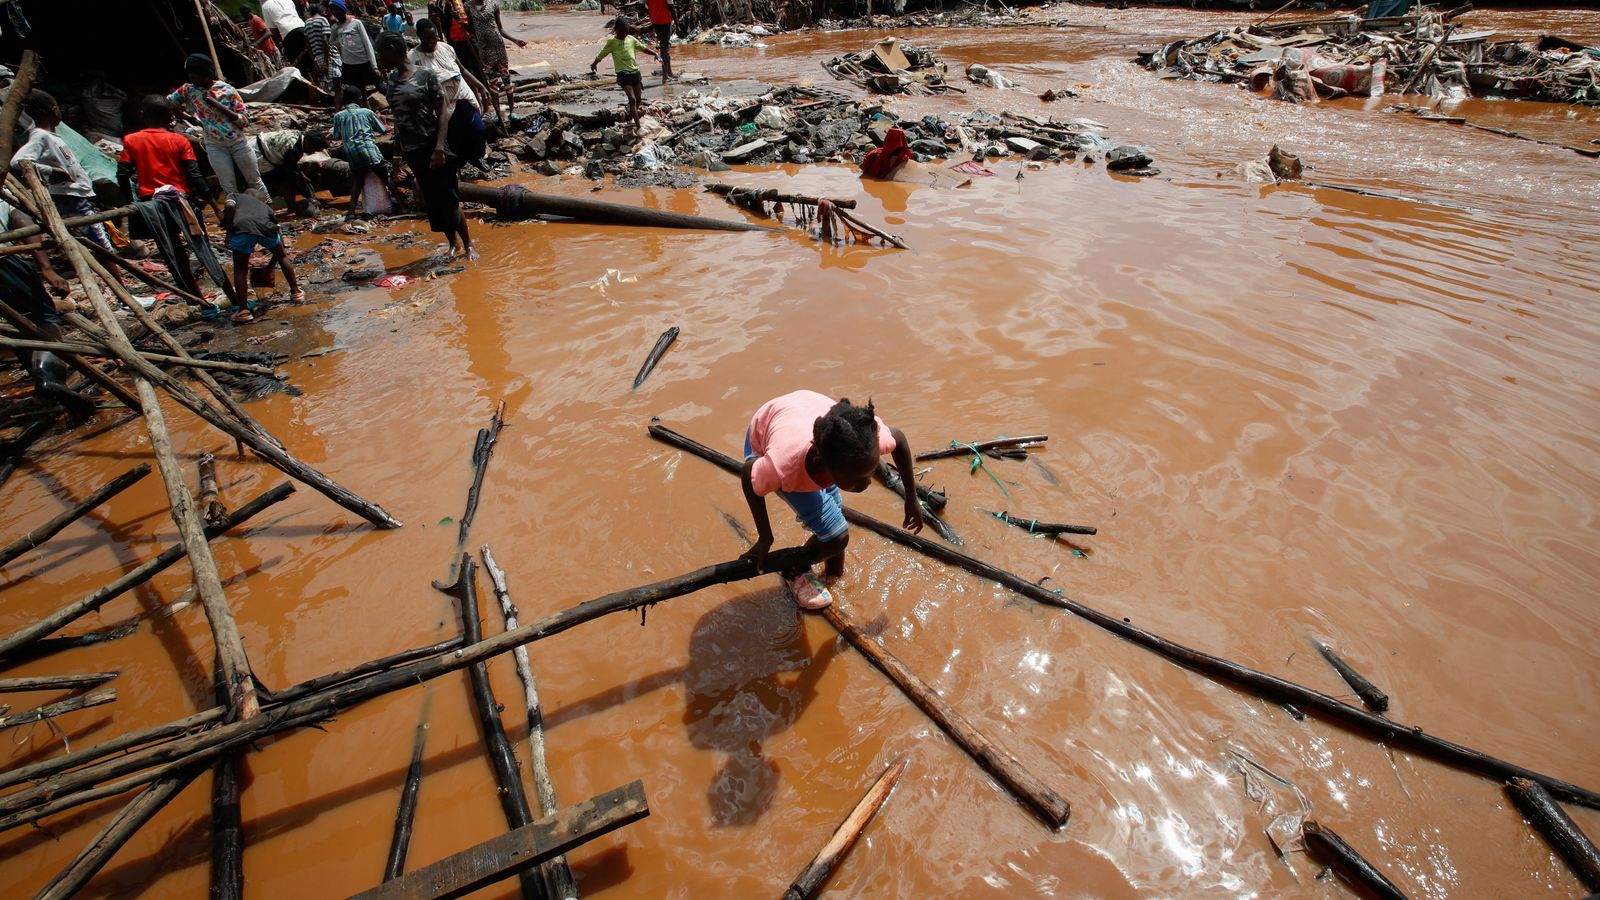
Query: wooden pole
x=1034, y=526
x=77, y=609
x=55, y=682
x=60, y=707
x=816, y=873
x=1260, y=684
x=405, y=814
x=93, y=782
x=227, y=828
x=53, y=527
x=21, y=85
x=1375, y=699
x=517, y=851
x=516, y=202
x=1351, y=866
x=48, y=646
x=118, y=343
x=148, y=278
x=240, y=681
x=891, y=480
x=982, y=446
x=557, y=874
x=661, y=345
x=205, y=27
x=25, y=325
x=162, y=359
x=211, y=508
x=28, y=231
x=116, y=833
x=513, y=799
x=482, y=449
x=773, y=195
x=1563, y=834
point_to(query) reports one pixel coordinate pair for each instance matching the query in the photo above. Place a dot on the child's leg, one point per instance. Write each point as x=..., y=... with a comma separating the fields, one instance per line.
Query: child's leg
x=357, y=177
x=833, y=566
x=282, y=259
x=822, y=514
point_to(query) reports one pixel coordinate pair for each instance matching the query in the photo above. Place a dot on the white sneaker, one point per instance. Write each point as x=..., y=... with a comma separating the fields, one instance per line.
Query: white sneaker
x=809, y=591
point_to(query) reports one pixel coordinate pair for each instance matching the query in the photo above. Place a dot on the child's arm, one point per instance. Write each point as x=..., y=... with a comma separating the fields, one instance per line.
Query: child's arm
x=603, y=50
x=227, y=214
x=758, y=511
x=646, y=48
x=902, y=464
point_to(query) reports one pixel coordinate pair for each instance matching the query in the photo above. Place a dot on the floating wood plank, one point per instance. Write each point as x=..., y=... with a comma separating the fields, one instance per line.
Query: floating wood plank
x=844, y=837
x=516, y=851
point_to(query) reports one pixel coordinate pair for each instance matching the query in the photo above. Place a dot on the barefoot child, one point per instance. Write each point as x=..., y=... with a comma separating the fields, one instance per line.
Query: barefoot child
x=623, y=47
x=807, y=448
x=250, y=224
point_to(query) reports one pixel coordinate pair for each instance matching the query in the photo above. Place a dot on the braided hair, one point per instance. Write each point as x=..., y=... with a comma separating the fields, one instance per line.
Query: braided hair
x=847, y=437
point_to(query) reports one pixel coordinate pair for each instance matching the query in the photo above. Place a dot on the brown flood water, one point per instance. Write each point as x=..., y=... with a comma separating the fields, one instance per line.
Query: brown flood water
x=1291, y=412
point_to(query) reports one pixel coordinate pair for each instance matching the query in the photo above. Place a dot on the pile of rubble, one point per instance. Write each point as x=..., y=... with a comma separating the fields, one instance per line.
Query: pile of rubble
x=1426, y=53
x=890, y=67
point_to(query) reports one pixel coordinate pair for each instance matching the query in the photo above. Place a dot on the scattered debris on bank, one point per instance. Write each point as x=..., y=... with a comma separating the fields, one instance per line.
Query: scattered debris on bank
x=1428, y=53
x=889, y=67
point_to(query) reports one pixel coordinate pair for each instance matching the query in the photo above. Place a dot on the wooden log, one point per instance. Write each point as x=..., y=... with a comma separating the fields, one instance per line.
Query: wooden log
x=162, y=359
x=662, y=343
x=211, y=508
x=41, y=770
x=53, y=527
x=1563, y=834
x=957, y=448
x=405, y=814
x=21, y=85
x=116, y=833
x=1332, y=850
x=1034, y=526
x=1260, y=684
x=59, y=708
x=517, y=202
x=77, y=609
x=931, y=499
x=227, y=828
x=1043, y=802
x=879, y=233
x=517, y=851
x=94, y=782
x=48, y=646
x=482, y=449
x=111, y=386
x=240, y=681
x=55, y=682
x=28, y=231
x=891, y=479
x=773, y=195
x=556, y=873
x=1375, y=699
x=811, y=879
x=507, y=776
x=118, y=343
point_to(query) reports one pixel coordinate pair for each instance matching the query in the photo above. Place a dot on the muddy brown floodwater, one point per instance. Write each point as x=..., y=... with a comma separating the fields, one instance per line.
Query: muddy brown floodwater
x=1292, y=413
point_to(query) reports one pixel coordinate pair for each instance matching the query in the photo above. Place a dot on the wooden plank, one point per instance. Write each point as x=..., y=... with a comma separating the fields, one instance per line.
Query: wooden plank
x=816, y=873
x=515, y=851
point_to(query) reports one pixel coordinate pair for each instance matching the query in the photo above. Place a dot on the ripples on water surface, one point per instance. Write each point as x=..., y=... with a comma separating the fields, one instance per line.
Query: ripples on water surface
x=1291, y=412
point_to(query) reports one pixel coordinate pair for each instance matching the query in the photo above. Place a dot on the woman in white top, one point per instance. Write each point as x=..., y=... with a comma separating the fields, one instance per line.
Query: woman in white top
x=286, y=25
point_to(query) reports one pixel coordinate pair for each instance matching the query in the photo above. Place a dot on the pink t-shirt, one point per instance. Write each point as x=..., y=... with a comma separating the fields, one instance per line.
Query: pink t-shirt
x=780, y=437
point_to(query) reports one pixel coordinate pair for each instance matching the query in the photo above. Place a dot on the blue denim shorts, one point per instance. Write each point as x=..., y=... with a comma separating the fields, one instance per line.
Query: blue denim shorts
x=821, y=512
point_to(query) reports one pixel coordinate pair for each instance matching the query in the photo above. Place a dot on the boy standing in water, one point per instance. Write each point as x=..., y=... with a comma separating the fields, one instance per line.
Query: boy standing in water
x=250, y=224
x=623, y=46
x=807, y=448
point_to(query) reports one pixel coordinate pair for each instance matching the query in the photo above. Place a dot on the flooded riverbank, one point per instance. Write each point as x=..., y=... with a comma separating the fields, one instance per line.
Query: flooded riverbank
x=1292, y=413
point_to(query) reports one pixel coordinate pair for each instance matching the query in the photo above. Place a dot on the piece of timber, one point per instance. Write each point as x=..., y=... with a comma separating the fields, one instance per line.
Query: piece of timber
x=810, y=881
x=53, y=527
x=1547, y=816
x=516, y=202
x=1332, y=850
x=516, y=851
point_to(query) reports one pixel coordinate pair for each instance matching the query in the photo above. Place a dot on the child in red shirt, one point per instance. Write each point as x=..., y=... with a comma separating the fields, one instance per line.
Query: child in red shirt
x=156, y=156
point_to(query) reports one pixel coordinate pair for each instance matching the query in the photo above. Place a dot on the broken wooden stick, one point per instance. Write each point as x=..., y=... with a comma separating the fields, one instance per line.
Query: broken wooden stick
x=227, y=828
x=1332, y=850
x=557, y=874
x=773, y=195
x=1268, y=687
x=816, y=873
x=931, y=499
x=662, y=343
x=1549, y=819
x=15, y=642
x=958, y=448
x=405, y=814
x=53, y=527
x=47, y=646
x=55, y=682
x=118, y=343
x=482, y=449
x=59, y=708
x=1022, y=784
x=519, y=850
x=161, y=359
x=1376, y=700
x=507, y=776
x=117, y=832
x=1034, y=526
x=95, y=782
x=891, y=480
x=852, y=220
x=211, y=508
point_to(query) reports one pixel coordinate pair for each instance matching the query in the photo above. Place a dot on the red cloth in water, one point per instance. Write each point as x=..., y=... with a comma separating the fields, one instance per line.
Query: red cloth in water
x=882, y=162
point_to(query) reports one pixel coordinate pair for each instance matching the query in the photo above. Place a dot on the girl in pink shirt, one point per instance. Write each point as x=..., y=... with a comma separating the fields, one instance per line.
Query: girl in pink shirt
x=807, y=448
